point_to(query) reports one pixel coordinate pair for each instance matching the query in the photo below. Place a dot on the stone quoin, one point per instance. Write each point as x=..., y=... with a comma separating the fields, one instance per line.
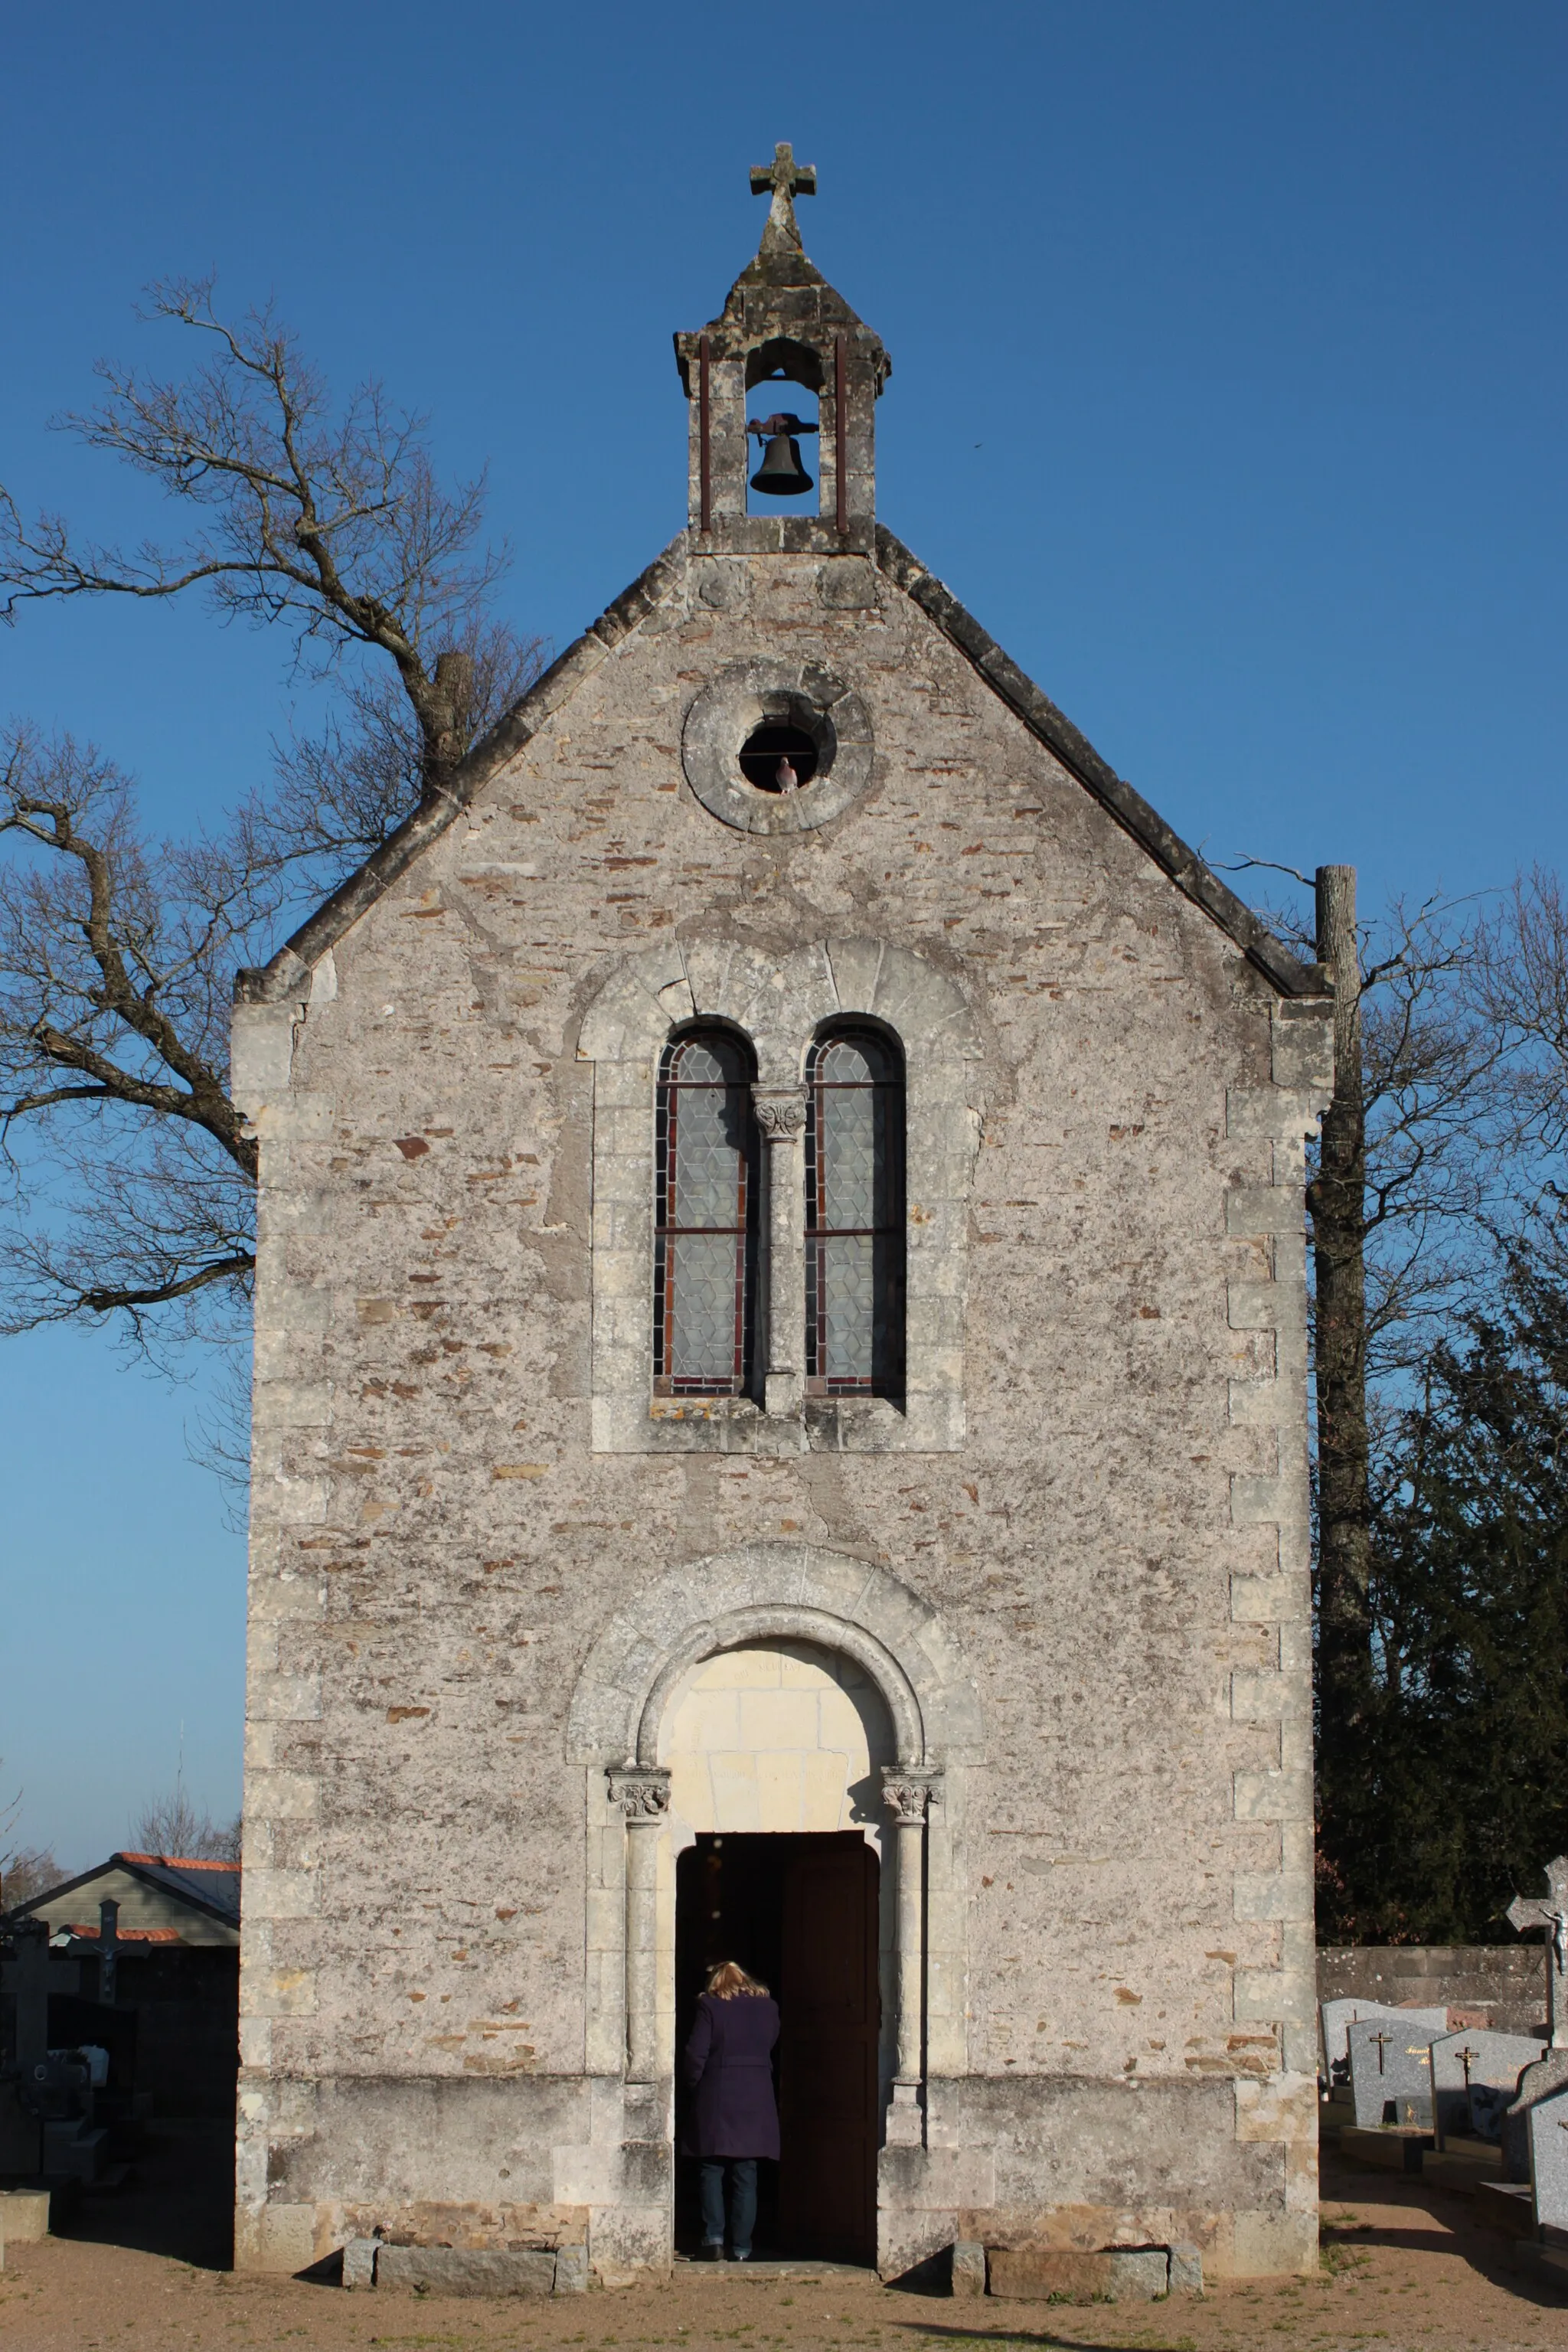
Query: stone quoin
x=780, y=1431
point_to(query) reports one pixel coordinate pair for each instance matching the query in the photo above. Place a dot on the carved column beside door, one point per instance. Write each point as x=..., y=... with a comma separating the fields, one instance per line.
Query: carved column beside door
x=907, y=1792
x=781, y=1116
x=641, y=1795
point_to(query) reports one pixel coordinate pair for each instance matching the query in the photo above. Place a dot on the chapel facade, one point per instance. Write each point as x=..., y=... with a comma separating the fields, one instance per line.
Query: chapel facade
x=780, y=1433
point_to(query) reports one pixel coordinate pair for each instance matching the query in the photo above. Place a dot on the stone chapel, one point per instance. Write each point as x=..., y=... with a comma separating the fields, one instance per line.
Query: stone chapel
x=780, y=1433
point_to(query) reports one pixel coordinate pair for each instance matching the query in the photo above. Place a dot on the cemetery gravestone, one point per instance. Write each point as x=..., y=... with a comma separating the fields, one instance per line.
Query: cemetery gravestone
x=1338, y=2016
x=1391, y=2072
x=1551, y=1912
x=1548, y=2123
x=1549, y=2073
x=1475, y=2076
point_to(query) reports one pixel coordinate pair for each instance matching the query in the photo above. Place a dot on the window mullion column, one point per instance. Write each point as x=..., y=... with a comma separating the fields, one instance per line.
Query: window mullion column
x=781, y=1116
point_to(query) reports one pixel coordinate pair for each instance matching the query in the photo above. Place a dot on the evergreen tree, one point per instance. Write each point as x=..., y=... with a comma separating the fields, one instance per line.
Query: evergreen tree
x=1454, y=1790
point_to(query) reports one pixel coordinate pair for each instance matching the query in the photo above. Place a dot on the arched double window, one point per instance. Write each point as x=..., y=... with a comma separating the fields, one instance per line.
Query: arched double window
x=855, y=1215
x=707, y=1219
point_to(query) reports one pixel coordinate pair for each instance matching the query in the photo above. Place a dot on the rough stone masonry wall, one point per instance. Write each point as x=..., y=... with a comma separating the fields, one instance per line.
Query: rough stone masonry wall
x=1502, y=1986
x=1117, y=1549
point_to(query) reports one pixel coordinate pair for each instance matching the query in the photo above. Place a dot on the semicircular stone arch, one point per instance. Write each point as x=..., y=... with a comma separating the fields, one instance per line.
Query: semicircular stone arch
x=630, y=1686
x=779, y=1001
x=774, y=1591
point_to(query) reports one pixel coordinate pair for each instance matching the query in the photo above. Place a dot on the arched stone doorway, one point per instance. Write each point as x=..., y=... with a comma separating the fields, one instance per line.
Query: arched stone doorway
x=841, y=1620
x=775, y=1856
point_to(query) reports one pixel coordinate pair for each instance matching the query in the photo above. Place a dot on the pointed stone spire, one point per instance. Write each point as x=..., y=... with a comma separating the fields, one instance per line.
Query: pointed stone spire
x=784, y=180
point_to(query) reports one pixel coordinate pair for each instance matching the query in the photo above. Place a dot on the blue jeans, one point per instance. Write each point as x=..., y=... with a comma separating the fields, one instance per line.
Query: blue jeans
x=742, y=2170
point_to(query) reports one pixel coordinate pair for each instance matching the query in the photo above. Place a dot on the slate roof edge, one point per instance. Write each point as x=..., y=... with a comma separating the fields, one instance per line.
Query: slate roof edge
x=285, y=972
x=1078, y=755
x=187, y=1895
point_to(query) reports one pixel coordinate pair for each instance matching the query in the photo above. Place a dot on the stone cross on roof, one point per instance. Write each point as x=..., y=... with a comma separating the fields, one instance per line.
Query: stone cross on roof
x=783, y=179
x=1550, y=1912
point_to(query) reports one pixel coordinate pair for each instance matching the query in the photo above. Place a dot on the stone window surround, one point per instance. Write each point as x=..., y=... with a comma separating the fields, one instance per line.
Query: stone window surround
x=620, y=1710
x=741, y=697
x=779, y=1005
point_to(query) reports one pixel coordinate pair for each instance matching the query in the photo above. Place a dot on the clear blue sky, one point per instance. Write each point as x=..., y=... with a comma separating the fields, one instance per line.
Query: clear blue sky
x=1228, y=393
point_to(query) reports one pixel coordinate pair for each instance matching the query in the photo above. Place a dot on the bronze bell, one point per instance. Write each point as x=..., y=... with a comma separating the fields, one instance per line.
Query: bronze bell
x=780, y=474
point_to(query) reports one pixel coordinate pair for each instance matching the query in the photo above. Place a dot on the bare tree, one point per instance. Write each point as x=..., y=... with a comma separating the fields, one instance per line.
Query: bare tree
x=1436, y=1148
x=1519, y=987
x=114, y=963
x=1400, y=1196
x=175, y=1830
x=1337, y=1202
x=1414, y=1133
x=131, y=1179
x=333, y=525
x=30, y=1870
x=24, y=1870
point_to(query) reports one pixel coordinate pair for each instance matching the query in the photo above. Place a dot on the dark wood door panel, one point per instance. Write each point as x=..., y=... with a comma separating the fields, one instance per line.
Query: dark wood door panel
x=827, y=2054
x=802, y=1913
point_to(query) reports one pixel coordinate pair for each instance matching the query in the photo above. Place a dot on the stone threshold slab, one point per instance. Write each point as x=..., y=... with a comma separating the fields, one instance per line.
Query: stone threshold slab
x=766, y=2267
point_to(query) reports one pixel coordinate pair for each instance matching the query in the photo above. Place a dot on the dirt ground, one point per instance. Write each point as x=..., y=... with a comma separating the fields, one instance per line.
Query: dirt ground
x=1404, y=2267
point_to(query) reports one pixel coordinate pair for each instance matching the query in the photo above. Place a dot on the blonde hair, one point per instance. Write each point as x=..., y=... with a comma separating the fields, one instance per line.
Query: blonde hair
x=729, y=1979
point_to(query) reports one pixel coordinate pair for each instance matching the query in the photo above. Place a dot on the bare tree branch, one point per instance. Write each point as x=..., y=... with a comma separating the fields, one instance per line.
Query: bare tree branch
x=131, y=1177
x=334, y=526
x=177, y=1829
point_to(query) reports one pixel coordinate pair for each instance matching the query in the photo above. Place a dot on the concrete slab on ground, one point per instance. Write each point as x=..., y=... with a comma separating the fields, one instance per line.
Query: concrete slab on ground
x=1386, y=2149
x=1505, y=2207
x=1460, y=2167
x=24, y=2216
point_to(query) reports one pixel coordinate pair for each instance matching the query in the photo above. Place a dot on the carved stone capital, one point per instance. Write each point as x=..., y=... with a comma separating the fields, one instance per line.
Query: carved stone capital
x=909, y=1790
x=639, y=1791
x=781, y=1112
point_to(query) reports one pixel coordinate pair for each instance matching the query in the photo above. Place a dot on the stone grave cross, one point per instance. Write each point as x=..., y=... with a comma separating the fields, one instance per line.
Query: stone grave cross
x=1550, y=1912
x=1383, y=2040
x=782, y=180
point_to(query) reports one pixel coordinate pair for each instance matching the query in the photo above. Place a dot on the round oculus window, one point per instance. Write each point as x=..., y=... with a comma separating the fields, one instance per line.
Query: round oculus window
x=773, y=748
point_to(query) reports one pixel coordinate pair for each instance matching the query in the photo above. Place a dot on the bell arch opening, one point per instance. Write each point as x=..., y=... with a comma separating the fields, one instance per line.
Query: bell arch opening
x=782, y=381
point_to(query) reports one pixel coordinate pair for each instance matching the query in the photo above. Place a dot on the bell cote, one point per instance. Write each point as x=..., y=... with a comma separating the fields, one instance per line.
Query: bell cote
x=781, y=389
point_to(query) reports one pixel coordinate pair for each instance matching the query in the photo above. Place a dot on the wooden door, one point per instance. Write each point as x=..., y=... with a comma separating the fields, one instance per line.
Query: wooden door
x=828, y=2049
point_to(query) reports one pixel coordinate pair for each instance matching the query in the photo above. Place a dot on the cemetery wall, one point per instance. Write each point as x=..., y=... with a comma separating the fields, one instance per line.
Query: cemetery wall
x=1497, y=1985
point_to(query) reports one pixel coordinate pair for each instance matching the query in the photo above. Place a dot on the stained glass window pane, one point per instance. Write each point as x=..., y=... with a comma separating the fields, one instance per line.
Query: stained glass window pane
x=703, y=1303
x=709, y=1155
x=701, y=1061
x=854, y=1176
x=848, y=1309
x=706, y=1218
x=853, y=1156
x=847, y=1062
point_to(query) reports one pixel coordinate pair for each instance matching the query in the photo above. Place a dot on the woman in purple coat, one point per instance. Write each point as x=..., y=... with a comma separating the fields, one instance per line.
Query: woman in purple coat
x=735, y=2119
